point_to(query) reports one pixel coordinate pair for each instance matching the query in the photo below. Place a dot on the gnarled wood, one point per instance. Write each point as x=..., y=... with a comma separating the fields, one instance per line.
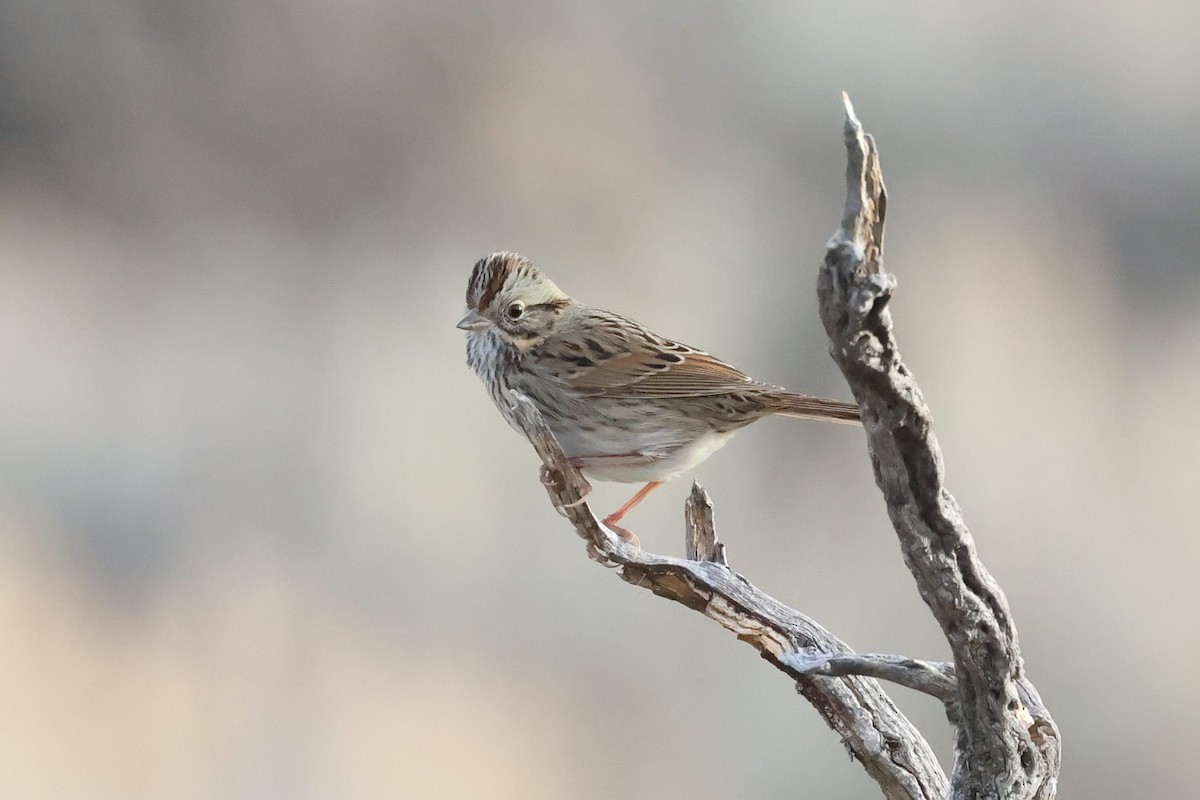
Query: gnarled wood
x=999, y=752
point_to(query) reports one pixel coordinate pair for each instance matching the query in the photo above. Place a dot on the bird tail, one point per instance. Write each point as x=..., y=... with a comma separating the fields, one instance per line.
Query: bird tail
x=803, y=406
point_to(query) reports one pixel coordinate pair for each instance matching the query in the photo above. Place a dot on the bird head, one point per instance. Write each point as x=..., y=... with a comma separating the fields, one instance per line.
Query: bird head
x=510, y=297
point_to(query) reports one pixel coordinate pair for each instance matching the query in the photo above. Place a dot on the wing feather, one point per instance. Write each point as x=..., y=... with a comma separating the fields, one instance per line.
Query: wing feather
x=611, y=356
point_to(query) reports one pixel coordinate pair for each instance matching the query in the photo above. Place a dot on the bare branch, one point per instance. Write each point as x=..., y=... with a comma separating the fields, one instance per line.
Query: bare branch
x=934, y=678
x=998, y=752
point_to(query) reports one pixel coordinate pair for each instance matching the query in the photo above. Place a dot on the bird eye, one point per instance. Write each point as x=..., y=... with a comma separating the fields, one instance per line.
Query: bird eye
x=515, y=310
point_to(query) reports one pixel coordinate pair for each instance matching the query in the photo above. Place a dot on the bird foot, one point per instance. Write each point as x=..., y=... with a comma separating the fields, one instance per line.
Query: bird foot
x=595, y=555
x=548, y=480
x=624, y=533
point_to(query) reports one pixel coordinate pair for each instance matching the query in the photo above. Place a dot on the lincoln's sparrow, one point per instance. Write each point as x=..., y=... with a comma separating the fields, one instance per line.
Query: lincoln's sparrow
x=624, y=403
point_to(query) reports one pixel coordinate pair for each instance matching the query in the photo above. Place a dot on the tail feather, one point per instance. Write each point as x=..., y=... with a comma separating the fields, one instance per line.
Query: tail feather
x=803, y=406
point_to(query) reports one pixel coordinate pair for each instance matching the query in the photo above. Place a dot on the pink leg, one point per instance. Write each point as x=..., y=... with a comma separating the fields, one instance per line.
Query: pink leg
x=612, y=519
x=633, y=501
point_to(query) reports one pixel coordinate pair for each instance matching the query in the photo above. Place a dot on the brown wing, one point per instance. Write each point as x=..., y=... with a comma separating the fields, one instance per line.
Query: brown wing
x=612, y=356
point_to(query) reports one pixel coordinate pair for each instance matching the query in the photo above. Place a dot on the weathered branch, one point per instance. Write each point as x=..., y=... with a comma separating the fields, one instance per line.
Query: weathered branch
x=1000, y=750
x=934, y=678
x=874, y=730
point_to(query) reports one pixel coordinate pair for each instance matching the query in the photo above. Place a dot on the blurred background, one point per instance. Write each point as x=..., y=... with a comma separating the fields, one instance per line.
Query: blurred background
x=263, y=535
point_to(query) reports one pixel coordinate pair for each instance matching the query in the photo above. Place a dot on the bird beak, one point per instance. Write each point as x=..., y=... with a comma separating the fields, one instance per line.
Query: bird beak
x=473, y=321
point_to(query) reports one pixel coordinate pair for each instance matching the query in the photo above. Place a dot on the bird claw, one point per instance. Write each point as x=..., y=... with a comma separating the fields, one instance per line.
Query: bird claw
x=548, y=480
x=624, y=533
x=595, y=555
x=601, y=558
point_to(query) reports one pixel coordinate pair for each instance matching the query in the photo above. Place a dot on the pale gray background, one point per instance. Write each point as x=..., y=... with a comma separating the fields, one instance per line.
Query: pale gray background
x=262, y=534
